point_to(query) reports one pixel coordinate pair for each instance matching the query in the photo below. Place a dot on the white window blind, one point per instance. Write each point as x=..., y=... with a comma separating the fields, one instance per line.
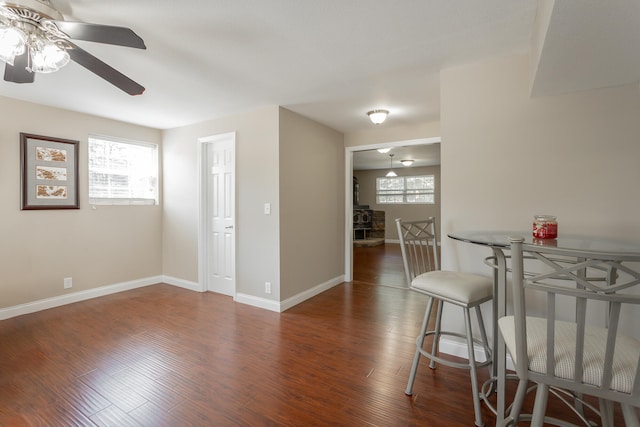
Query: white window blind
x=405, y=190
x=122, y=172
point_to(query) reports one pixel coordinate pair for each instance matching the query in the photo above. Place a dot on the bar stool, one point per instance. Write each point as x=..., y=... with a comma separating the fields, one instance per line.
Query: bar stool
x=420, y=256
x=588, y=353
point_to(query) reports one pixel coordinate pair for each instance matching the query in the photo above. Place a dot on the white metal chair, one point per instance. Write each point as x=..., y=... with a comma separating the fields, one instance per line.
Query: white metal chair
x=420, y=255
x=576, y=348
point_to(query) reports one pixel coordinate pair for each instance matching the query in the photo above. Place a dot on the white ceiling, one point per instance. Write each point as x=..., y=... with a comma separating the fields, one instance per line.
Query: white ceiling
x=329, y=60
x=422, y=155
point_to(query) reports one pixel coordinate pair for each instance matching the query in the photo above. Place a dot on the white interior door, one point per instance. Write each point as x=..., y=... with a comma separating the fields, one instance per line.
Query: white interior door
x=221, y=247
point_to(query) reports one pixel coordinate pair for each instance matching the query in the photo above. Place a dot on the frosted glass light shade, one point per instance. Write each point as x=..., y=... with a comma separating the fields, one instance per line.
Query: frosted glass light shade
x=12, y=44
x=378, y=116
x=48, y=58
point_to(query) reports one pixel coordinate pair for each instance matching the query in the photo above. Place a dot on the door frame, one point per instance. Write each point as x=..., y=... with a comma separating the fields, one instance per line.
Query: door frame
x=203, y=266
x=348, y=218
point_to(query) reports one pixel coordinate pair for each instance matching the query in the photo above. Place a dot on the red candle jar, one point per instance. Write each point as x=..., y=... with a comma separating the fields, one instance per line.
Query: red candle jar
x=545, y=227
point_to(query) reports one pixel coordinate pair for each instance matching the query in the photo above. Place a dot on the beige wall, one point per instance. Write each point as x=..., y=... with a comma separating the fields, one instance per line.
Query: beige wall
x=311, y=204
x=115, y=244
x=506, y=157
x=284, y=159
x=257, y=235
x=367, y=183
x=105, y=246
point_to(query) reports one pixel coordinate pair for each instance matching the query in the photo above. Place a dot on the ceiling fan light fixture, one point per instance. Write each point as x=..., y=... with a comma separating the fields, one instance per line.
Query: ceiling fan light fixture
x=383, y=150
x=36, y=38
x=12, y=43
x=48, y=58
x=378, y=116
x=406, y=162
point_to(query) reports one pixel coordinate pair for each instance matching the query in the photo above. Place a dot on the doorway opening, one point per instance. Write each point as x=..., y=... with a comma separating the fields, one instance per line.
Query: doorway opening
x=368, y=163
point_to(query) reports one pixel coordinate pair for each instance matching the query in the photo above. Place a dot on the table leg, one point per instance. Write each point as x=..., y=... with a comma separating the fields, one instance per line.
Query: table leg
x=499, y=353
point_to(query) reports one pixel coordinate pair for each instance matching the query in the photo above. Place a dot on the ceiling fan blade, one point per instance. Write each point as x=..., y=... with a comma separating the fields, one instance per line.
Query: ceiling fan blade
x=104, y=70
x=108, y=34
x=18, y=73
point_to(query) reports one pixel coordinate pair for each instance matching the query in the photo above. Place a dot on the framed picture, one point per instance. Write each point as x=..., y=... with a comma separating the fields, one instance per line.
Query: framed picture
x=49, y=172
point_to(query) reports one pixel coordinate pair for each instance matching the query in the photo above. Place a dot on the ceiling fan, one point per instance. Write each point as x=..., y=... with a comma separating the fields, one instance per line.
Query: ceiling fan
x=35, y=37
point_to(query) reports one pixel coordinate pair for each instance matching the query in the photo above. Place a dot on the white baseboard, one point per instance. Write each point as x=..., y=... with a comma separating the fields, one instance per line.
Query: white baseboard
x=181, y=283
x=44, y=304
x=310, y=293
x=459, y=349
x=267, y=304
x=32, y=307
x=280, y=306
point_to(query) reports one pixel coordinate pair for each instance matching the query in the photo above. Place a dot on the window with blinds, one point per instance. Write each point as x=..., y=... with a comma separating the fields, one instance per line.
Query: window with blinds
x=122, y=172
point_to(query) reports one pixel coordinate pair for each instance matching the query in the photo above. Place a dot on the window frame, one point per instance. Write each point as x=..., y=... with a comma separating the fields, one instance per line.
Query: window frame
x=404, y=192
x=128, y=201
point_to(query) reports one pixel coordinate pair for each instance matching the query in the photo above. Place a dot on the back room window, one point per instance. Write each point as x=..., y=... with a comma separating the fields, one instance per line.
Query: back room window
x=405, y=190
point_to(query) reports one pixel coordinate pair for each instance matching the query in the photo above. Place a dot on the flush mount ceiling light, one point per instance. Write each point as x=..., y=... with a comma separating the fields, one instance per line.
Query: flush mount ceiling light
x=406, y=162
x=378, y=116
x=391, y=173
x=36, y=38
x=383, y=150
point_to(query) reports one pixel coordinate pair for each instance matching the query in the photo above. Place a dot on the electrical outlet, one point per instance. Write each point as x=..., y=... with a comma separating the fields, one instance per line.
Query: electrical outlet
x=267, y=287
x=68, y=282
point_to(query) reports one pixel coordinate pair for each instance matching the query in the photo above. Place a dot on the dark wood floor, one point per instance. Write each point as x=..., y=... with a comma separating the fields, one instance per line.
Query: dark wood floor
x=165, y=356
x=380, y=265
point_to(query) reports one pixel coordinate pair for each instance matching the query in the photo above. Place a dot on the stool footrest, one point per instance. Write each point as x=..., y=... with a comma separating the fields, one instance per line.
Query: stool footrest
x=447, y=362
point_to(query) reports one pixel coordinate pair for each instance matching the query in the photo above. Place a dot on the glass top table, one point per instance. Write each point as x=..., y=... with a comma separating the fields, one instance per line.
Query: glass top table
x=500, y=239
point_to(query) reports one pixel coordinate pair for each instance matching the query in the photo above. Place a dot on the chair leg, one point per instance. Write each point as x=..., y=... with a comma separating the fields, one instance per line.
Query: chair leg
x=540, y=405
x=518, y=400
x=436, y=334
x=630, y=415
x=472, y=366
x=483, y=335
x=606, y=412
x=419, y=343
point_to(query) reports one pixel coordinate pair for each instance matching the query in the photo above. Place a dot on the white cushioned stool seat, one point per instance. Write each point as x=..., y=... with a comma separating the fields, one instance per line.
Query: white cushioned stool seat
x=464, y=288
x=624, y=364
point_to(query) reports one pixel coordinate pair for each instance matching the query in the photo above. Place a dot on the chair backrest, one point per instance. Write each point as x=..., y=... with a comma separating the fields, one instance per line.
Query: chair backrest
x=419, y=246
x=580, y=346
